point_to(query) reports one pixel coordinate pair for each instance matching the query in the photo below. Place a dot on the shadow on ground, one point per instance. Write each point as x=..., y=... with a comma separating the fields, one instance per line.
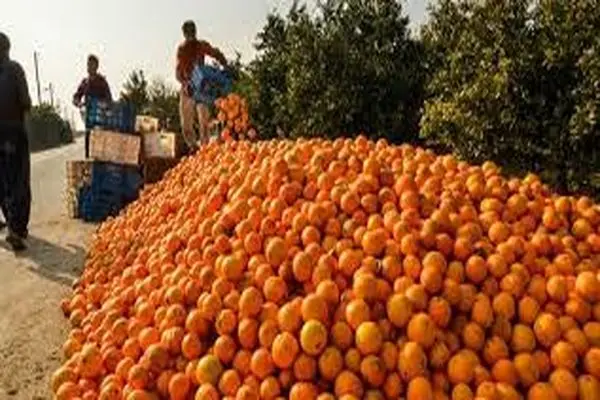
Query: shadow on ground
x=51, y=261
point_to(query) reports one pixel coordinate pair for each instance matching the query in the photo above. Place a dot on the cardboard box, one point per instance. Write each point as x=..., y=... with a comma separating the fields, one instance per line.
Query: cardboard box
x=146, y=124
x=162, y=145
x=115, y=147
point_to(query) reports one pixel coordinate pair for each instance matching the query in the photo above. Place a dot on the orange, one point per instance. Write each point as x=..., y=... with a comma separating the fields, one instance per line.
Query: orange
x=347, y=269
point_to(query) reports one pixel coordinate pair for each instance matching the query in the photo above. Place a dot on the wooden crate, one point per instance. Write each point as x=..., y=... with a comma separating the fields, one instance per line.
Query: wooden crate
x=146, y=124
x=71, y=202
x=115, y=147
x=162, y=145
x=78, y=172
x=78, y=175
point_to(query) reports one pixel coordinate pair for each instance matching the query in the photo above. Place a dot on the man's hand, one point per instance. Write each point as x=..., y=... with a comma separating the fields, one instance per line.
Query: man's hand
x=187, y=89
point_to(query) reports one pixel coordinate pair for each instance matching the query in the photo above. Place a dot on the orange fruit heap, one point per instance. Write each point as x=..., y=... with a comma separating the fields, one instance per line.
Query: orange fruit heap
x=350, y=269
x=233, y=116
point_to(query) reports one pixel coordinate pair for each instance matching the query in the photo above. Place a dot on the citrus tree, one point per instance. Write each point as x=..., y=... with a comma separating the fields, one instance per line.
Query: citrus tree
x=517, y=82
x=347, y=67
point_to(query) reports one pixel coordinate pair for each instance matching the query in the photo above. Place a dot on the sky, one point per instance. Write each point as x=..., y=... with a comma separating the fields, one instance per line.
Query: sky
x=128, y=35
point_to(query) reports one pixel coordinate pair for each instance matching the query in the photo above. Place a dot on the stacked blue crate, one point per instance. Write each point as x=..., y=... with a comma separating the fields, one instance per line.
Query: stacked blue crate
x=95, y=113
x=112, y=187
x=209, y=83
x=118, y=116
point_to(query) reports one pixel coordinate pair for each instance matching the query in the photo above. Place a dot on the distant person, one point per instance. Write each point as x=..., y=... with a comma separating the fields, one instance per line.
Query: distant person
x=95, y=87
x=190, y=53
x=15, y=188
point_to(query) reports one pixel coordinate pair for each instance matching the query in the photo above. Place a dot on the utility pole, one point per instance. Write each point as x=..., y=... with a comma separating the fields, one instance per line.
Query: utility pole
x=37, y=77
x=51, y=90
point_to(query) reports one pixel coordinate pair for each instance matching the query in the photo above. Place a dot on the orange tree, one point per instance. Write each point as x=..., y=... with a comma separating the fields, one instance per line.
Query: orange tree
x=517, y=82
x=349, y=67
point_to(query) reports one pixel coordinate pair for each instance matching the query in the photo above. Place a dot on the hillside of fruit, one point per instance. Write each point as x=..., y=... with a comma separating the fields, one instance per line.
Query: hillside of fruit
x=513, y=82
x=349, y=269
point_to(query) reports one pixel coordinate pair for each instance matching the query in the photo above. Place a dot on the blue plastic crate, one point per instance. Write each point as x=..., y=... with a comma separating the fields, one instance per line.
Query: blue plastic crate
x=122, y=118
x=96, y=113
x=96, y=207
x=120, y=179
x=112, y=187
x=209, y=83
x=118, y=116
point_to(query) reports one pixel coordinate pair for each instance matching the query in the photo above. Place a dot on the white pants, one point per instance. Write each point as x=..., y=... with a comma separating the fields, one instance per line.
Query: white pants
x=188, y=112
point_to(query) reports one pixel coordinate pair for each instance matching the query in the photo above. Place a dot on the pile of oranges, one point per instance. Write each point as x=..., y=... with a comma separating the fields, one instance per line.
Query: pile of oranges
x=343, y=269
x=233, y=117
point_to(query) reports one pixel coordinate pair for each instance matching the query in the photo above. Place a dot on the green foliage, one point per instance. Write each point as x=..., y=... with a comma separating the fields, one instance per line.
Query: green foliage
x=268, y=71
x=158, y=99
x=46, y=129
x=350, y=67
x=163, y=103
x=135, y=91
x=516, y=81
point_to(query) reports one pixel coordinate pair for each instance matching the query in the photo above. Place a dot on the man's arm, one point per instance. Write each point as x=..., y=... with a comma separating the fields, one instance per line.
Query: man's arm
x=214, y=52
x=23, y=89
x=79, y=93
x=179, y=66
x=106, y=90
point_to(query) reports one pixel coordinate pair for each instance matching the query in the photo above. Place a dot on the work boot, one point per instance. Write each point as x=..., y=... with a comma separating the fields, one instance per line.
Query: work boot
x=16, y=242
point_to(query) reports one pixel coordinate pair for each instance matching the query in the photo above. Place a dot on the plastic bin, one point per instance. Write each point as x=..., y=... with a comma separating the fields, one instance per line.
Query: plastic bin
x=209, y=83
x=96, y=113
x=96, y=207
x=119, y=116
x=112, y=187
x=114, y=178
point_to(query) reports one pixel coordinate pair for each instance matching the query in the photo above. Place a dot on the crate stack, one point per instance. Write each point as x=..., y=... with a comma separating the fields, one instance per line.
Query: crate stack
x=161, y=150
x=79, y=175
x=112, y=187
x=101, y=186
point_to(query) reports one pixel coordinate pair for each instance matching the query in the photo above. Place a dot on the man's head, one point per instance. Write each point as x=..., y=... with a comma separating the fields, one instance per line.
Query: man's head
x=92, y=64
x=4, y=46
x=189, y=30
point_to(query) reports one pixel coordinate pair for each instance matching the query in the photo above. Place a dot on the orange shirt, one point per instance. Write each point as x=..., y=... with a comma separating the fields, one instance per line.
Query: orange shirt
x=190, y=53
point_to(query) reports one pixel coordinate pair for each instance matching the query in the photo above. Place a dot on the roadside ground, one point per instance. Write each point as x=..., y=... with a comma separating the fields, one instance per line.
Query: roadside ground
x=32, y=327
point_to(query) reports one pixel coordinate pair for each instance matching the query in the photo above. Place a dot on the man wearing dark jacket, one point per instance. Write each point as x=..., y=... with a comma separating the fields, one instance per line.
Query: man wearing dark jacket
x=15, y=189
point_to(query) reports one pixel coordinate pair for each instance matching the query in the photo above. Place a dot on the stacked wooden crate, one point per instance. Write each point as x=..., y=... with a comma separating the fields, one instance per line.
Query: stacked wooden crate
x=115, y=147
x=116, y=174
x=102, y=185
x=161, y=150
x=78, y=176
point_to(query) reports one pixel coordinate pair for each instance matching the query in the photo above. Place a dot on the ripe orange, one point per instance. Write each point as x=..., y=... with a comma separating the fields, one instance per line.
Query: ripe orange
x=343, y=269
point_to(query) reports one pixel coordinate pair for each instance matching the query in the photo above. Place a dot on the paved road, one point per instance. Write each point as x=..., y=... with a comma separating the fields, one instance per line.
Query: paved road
x=32, y=328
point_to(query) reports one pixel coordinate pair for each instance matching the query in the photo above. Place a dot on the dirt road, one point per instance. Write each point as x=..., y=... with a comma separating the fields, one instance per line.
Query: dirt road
x=32, y=328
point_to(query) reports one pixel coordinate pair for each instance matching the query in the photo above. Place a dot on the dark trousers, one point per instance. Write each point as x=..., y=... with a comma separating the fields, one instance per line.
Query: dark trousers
x=15, y=179
x=87, y=143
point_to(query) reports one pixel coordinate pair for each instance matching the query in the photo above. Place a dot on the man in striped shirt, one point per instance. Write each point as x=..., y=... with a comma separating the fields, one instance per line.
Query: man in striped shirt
x=190, y=53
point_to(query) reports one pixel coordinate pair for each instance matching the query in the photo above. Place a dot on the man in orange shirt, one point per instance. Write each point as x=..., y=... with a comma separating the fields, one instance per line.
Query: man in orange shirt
x=190, y=53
